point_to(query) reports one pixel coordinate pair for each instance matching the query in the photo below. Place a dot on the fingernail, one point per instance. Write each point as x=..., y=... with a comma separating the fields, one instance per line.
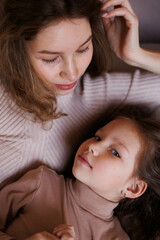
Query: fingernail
x=104, y=14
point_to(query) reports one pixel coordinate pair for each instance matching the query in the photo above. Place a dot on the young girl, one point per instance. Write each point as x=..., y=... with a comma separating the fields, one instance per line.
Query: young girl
x=54, y=56
x=120, y=163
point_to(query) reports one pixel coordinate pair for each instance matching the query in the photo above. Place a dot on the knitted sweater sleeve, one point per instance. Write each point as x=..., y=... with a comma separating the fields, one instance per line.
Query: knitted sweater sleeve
x=138, y=86
x=12, y=129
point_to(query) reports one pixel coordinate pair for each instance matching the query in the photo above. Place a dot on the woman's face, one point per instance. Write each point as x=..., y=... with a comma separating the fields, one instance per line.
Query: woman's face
x=61, y=53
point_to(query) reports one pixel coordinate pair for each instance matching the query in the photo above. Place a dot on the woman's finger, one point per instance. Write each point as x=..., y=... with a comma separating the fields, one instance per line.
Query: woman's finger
x=62, y=227
x=42, y=236
x=131, y=20
x=115, y=3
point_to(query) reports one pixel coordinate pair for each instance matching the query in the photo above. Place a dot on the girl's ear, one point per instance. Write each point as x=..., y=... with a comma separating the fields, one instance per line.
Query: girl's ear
x=137, y=189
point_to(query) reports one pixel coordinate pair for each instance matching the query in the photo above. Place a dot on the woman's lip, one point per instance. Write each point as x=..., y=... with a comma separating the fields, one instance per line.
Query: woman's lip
x=66, y=86
x=83, y=159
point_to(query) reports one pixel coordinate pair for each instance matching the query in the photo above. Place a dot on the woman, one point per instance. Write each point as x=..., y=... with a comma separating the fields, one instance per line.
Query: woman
x=53, y=61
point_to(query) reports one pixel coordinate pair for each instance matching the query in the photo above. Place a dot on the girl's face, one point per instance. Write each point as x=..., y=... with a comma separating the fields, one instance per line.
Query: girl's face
x=61, y=53
x=107, y=161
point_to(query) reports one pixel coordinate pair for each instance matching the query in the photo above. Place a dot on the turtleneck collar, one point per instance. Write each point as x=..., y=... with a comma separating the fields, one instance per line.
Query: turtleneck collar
x=90, y=201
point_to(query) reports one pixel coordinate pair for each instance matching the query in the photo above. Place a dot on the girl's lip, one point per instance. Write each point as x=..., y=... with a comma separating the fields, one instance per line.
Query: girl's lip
x=83, y=159
x=66, y=86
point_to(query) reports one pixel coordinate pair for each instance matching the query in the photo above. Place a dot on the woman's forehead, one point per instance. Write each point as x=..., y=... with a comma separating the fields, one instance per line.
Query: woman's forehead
x=65, y=33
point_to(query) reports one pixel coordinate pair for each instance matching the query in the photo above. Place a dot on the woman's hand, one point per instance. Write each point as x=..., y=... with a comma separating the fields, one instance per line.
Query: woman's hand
x=123, y=34
x=122, y=29
x=65, y=232
x=43, y=236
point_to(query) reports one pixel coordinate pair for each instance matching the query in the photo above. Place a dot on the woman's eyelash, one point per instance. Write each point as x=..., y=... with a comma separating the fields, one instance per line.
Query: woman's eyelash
x=54, y=59
x=83, y=50
x=50, y=60
x=115, y=153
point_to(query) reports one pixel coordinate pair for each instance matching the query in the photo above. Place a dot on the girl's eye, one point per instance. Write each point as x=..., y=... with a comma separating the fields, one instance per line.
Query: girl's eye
x=83, y=50
x=97, y=138
x=115, y=153
x=50, y=60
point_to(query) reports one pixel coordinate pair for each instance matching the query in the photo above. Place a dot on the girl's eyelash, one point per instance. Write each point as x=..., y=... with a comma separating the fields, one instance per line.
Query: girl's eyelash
x=115, y=153
x=97, y=138
x=83, y=50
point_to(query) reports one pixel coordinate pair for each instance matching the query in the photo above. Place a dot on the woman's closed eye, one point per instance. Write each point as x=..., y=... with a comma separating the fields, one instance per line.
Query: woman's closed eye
x=55, y=59
x=115, y=153
x=83, y=50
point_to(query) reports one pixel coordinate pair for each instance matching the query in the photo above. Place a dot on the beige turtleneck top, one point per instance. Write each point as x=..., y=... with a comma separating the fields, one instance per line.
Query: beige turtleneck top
x=42, y=199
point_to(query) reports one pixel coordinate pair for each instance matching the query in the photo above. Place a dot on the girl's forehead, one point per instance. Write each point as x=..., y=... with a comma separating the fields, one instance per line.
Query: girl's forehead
x=121, y=123
x=124, y=130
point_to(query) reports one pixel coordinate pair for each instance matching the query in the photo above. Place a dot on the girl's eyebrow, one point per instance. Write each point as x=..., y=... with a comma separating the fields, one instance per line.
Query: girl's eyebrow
x=123, y=145
x=50, y=52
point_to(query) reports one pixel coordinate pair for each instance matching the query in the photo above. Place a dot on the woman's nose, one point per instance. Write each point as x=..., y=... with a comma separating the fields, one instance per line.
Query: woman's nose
x=70, y=71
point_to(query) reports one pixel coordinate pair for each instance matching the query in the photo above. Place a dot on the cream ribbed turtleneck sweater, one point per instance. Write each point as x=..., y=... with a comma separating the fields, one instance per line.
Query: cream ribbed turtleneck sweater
x=25, y=144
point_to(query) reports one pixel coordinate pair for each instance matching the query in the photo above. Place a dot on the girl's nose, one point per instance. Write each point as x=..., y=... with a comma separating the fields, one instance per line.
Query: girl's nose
x=70, y=71
x=93, y=148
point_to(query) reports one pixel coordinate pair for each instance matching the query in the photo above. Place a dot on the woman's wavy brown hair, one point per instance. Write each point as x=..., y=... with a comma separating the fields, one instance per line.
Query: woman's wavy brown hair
x=20, y=21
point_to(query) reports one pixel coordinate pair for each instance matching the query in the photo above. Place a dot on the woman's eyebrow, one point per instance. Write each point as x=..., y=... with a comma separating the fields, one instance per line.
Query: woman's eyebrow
x=88, y=39
x=50, y=52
